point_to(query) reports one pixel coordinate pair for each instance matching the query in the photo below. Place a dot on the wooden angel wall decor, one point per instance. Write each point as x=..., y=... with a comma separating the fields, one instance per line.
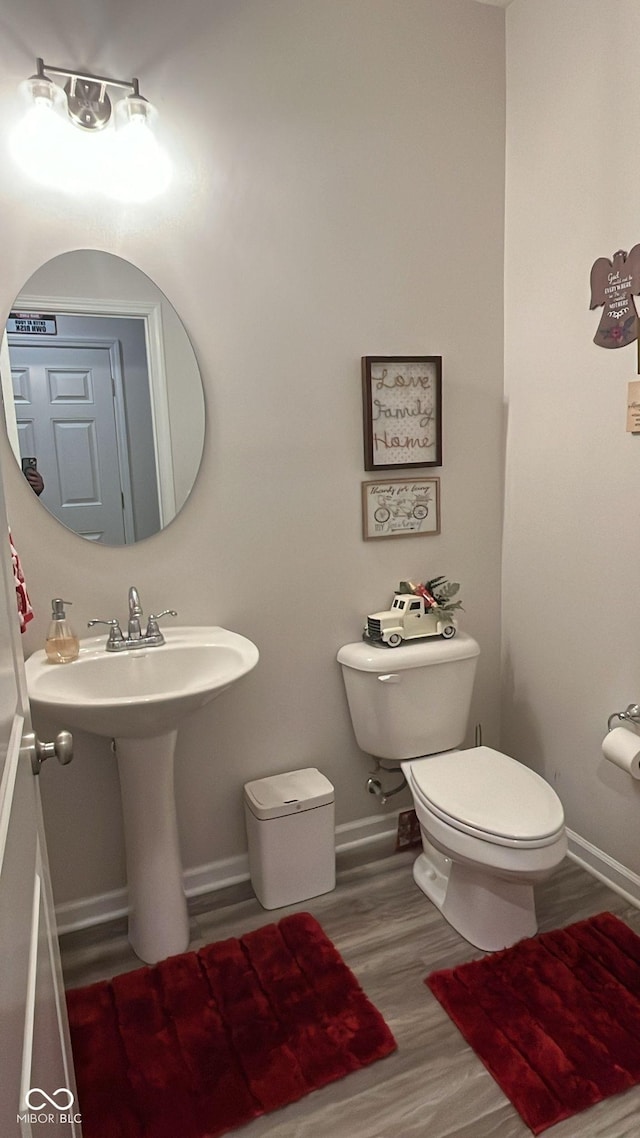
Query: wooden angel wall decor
x=613, y=283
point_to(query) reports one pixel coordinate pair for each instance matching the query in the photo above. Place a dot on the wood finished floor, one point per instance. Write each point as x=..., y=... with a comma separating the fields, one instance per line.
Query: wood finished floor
x=391, y=936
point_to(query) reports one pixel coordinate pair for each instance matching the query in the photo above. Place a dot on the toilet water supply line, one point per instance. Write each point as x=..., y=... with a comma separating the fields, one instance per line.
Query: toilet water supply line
x=374, y=786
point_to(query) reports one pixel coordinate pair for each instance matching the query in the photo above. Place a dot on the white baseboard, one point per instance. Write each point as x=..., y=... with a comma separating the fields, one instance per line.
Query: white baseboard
x=611, y=872
x=88, y=911
x=377, y=829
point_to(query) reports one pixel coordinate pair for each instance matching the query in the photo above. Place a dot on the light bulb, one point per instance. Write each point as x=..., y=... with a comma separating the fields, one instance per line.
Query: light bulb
x=37, y=144
x=57, y=154
x=141, y=169
x=43, y=143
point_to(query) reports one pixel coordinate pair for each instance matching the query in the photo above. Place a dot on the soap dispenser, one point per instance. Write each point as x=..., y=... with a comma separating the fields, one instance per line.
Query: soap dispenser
x=62, y=645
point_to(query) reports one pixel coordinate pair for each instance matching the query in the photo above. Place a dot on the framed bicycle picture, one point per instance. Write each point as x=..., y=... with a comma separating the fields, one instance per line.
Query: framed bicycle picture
x=400, y=507
x=402, y=411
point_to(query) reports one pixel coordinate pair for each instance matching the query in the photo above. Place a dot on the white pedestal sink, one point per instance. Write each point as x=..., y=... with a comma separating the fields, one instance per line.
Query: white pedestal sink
x=138, y=698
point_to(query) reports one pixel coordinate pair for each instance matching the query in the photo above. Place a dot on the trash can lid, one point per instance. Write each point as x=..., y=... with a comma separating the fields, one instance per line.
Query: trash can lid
x=288, y=793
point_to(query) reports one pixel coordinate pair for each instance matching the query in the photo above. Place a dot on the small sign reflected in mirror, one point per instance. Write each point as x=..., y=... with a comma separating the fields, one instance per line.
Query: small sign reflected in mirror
x=32, y=324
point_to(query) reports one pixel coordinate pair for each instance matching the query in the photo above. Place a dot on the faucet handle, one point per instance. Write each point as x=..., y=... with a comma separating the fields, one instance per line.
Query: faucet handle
x=115, y=632
x=152, y=622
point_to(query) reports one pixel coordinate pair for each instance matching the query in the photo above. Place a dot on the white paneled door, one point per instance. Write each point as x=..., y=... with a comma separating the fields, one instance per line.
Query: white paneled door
x=66, y=414
x=37, y=1085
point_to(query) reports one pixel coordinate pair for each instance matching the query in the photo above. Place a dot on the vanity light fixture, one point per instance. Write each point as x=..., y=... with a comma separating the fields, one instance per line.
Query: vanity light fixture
x=73, y=139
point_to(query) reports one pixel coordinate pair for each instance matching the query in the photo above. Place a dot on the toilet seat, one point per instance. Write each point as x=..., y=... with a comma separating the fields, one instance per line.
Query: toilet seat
x=488, y=795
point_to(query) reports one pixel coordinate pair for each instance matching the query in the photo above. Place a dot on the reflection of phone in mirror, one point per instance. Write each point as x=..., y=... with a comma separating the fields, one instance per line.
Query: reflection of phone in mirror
x=29, y=464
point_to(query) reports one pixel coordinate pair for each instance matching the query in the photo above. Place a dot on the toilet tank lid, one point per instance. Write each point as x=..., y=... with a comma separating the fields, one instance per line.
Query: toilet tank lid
x=365, y=657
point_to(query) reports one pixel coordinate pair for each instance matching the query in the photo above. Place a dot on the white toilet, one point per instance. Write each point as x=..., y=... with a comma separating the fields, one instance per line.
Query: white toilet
x=491, y=828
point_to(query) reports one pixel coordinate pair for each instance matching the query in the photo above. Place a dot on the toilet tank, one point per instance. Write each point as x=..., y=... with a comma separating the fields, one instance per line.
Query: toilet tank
x=412, y=700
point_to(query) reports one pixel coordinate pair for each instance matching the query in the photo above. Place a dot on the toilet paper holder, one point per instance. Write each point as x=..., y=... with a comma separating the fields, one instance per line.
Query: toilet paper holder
x=631, y=714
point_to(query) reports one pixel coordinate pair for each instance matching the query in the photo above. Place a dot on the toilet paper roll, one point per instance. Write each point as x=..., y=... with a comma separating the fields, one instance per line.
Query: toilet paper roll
x=622, y=747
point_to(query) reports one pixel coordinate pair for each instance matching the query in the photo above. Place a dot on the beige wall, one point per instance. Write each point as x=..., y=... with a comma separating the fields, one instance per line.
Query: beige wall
x=572, y=539
x=339, y=193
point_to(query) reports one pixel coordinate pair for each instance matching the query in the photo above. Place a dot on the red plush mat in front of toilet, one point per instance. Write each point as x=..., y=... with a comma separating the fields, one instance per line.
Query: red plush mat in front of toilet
x=555, y=1019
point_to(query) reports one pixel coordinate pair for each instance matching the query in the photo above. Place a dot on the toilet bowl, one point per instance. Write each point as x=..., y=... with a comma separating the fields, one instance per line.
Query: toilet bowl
x=491, y=829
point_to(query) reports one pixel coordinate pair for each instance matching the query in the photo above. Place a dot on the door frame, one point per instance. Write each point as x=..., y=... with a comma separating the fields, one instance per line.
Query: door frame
x=151, y=315
x=124, y=470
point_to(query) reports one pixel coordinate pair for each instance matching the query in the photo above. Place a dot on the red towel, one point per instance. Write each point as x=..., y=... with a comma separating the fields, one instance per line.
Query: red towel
x=25, y=612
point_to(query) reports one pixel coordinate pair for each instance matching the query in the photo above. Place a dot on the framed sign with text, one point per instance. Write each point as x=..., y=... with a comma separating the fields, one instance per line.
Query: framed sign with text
x=402, y=410
x=400, y=507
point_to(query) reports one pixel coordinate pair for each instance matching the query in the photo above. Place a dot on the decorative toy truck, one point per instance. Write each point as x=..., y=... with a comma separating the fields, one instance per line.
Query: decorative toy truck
x=416, y=611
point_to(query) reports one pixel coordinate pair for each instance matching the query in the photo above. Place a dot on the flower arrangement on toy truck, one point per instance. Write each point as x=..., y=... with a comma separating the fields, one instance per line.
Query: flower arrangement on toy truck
x=416, y=611
x=437, y=593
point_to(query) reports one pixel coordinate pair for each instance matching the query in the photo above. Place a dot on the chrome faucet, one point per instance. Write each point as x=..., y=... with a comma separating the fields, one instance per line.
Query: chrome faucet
x=135, y=612
x=135, y=638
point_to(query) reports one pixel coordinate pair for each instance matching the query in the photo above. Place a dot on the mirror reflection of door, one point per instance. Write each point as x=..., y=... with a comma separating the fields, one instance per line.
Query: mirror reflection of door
x=83, y=411
x=98, y=286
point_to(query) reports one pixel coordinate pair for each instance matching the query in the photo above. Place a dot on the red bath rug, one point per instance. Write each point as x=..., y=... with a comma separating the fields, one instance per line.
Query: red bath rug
x=204, y=1042
x=555, y=1019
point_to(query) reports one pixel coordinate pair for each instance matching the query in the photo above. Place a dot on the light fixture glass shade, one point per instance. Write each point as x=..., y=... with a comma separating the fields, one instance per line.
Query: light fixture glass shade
x=135, y=108
x=35, y=140
x=40, y=91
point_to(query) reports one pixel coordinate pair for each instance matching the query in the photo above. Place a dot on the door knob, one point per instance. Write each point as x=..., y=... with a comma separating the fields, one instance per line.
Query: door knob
x=61, y=748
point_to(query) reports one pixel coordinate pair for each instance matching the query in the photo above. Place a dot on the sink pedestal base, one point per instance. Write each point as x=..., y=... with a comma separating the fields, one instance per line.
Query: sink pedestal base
x=158, y=918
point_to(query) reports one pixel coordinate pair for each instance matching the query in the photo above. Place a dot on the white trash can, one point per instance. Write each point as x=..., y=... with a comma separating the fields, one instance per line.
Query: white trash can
x=290, y=829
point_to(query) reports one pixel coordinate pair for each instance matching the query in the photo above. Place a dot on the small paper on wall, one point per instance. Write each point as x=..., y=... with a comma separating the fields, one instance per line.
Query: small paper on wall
x=633, y=407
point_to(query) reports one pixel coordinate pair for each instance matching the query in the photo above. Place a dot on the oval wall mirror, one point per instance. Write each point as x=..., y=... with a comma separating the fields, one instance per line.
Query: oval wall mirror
x=103, y=398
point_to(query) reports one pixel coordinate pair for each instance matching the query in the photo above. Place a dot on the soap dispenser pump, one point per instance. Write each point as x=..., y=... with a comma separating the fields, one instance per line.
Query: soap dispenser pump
x=62, y=645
